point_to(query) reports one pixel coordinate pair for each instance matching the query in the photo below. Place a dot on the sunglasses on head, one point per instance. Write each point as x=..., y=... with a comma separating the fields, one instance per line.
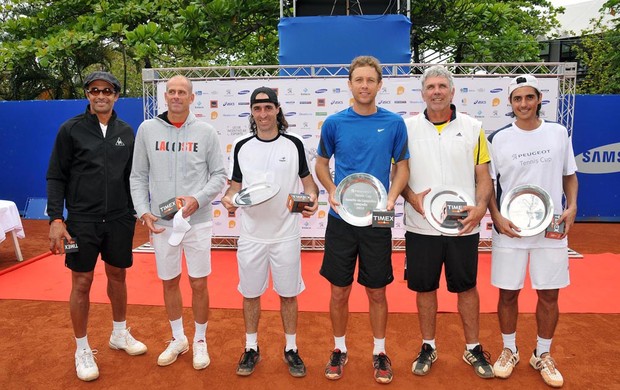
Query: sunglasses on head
x=97, y=91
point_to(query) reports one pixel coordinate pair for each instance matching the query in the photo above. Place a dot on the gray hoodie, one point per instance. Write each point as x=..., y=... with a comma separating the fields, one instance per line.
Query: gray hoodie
x=170, y=162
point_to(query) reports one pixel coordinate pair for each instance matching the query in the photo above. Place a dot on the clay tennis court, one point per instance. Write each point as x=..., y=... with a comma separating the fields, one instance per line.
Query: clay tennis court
x=36, y=333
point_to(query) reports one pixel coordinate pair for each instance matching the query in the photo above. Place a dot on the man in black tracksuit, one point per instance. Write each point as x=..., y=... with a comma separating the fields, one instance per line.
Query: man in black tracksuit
x=88, y=173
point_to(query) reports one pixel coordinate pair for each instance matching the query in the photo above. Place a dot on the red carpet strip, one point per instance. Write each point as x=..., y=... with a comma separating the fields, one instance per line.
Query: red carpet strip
x=45, y=278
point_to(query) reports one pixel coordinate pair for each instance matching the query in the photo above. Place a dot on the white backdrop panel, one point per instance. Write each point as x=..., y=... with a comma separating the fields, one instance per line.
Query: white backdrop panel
x=307, y=102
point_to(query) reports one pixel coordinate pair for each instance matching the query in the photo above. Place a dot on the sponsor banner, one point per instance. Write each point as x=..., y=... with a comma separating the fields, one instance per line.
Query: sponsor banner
x=597, y=154
x=307, y=102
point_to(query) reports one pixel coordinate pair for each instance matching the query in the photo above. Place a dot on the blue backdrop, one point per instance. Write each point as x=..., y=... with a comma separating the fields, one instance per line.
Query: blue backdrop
x=28, y=130
x=338, y=39
x=27, y=133
x=596, y=142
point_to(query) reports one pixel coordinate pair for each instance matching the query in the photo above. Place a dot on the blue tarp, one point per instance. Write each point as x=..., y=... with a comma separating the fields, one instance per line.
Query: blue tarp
x=338, y=39
x=27, y=132
x=596, y=142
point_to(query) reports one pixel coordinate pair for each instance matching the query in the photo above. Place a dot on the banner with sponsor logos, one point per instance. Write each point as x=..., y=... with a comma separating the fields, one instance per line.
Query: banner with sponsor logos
x=307, y=102
x=597, y=153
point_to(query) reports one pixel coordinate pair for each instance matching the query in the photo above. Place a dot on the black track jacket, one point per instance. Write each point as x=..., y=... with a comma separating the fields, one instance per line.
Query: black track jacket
x=88, y=172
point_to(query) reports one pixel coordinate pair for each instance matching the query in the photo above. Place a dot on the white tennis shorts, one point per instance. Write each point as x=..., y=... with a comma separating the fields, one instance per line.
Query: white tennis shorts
x=197, y=247
x=255, y=260
x=548, y=268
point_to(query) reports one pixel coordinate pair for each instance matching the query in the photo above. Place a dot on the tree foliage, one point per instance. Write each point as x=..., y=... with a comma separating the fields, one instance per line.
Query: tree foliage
x=480, y=30
x=599, y=52
x=47, y=47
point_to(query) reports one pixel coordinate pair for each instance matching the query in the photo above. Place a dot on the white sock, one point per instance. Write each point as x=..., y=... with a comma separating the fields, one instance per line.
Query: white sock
x=430, y=342
x=177, y=329
x=251, y=341
x=469, y=347
x=119, y=326
x=339, y=343
x=379, y=346
x=291, y=342
x=542, y=346
x=82, y=343
x=510, y=341
x=201, y=332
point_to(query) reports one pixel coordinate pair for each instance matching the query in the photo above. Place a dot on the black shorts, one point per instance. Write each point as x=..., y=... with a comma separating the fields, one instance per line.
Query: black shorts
x=427, y=254
x=343, y=244
x=113, y=239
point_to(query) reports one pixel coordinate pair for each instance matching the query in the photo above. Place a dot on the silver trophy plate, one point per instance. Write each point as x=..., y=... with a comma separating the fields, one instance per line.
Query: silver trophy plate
x=433, y=207
x=529, y=207
x=255, y=194
x=359, y=194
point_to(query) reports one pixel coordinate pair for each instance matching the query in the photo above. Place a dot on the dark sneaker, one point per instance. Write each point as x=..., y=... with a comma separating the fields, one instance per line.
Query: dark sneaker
x=296, y=366
x=383, y=368
x=479, y=359
x=336, y=363
x=422, y=364
x=248, y=362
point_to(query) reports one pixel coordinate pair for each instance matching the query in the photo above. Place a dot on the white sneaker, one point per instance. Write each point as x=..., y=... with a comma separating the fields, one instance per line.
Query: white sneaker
x=125, y=341
x=201, y=356
x=85, y=365
x=505, y=363
x=174, y=349
x=546, y=365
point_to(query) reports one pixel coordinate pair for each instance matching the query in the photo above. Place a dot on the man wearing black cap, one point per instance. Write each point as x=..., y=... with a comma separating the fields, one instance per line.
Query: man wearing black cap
x=270, y=234
x=89, y=173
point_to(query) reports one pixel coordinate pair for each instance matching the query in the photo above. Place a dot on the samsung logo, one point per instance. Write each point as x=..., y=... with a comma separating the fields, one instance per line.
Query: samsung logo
x=546, y=102
x=243, y=92
x=216, y=202
x=306, y=136
x=244, y=114
x=402, y=113
x=292, y=113
x=496, y=90
x=322, y=90
x=603, y=159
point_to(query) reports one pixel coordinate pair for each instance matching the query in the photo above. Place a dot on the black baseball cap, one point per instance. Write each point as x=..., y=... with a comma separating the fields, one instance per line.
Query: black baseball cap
x=272, y=97
x=105, y=76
